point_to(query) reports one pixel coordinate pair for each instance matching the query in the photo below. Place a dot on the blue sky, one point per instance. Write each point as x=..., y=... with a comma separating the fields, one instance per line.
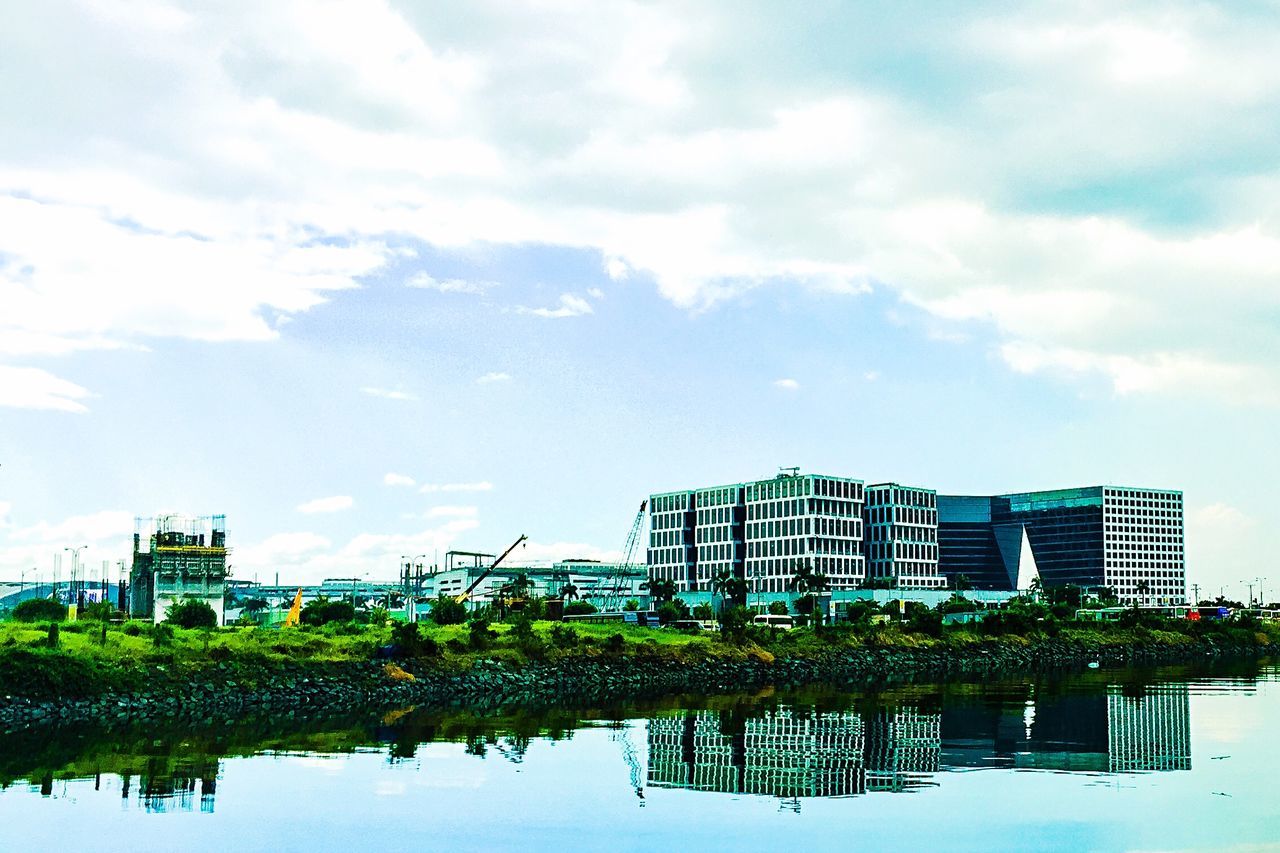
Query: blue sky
x=376, y=279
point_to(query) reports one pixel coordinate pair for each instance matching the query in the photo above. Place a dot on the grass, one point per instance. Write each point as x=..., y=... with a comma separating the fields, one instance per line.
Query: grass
x=136, y=655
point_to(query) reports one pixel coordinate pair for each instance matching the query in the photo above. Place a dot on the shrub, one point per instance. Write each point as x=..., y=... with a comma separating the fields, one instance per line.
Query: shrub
x=192, y=613
x=778, y=608
x=564, y=637
x=671, y=611
x=408, y=637
x=446, y=610
x=705, y=612
x=615, y=643
x=132, y=629
x=51, y=638
x=40, y=610
x=162, y=635
x=322, y=611
x=579, y=608
x=734, y=622
x=481, y=636
x=631, y=605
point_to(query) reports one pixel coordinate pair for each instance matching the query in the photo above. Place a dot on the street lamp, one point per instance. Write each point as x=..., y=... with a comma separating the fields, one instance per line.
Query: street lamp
x=75, y=566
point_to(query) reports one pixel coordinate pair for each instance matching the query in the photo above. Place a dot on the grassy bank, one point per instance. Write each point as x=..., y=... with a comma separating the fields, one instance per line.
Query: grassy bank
x=84, y=660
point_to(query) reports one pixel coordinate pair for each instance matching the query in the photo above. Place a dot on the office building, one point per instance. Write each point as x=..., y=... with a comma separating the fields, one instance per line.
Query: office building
x=901, y=529
x=1127, y=539
x=761, y=531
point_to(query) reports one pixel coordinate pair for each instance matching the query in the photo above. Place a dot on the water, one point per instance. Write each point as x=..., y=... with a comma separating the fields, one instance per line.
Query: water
x=1165, y=759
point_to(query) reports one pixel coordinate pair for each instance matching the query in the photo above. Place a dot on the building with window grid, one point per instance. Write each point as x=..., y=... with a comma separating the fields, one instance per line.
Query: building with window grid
x=901, y=530
x=1124, y=538
x=760, y=530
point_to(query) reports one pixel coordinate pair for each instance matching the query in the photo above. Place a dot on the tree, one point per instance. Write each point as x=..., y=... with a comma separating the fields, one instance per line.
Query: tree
x=961, y=582
x=192, y=613
x=40, y=610
x=778, y=608
x=704, y=612
x=811, y=583
x=1143, y=588
x=322, y=611
x=660, y=589
x=729, y=587
x=569, y=592
x=579, y=608
x=446, y=610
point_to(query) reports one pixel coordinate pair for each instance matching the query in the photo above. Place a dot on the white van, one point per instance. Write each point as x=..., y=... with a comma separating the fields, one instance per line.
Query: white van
x=773, y=620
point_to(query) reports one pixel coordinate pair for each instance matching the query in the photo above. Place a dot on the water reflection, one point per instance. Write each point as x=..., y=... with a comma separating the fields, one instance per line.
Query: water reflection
x=813, y=743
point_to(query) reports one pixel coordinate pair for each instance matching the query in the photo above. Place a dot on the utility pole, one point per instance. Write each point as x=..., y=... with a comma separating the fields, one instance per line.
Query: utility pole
x=1195, y=592
x=1250, y=585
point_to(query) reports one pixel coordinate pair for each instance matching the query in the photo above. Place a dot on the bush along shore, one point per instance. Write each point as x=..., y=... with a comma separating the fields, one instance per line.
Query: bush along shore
x=94, y=671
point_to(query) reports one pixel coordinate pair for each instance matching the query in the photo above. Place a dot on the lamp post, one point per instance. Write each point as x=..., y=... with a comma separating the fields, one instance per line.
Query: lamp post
x=75, y=573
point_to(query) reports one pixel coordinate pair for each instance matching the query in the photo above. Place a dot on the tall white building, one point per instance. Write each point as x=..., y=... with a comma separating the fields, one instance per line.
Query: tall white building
x=902, y=536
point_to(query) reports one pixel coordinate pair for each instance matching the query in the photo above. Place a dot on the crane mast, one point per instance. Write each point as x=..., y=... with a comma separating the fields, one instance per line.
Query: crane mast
x=613, y=593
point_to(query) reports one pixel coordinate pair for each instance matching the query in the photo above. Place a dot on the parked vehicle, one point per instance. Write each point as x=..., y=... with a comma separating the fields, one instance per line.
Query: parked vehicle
x=773, y=620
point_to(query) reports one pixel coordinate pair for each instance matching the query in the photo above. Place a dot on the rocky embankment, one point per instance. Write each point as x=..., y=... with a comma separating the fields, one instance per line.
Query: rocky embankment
x=225, y=691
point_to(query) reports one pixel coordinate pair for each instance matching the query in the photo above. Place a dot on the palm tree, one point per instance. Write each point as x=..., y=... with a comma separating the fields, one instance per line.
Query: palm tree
x=1142, y=587
x=806, y=581
x=729, y=587
x=568, y=592
x=660, y=589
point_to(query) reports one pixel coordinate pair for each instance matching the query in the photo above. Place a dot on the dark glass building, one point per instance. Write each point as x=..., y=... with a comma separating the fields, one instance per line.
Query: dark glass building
x=1128, y=539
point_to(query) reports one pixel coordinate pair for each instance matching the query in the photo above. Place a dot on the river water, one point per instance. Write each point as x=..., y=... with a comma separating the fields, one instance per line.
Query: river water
x=1175, y=758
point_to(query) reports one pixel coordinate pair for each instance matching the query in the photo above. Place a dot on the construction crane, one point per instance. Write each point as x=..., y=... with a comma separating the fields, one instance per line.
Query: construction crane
x=622, y=736
x=465, y=594
x=613, y=592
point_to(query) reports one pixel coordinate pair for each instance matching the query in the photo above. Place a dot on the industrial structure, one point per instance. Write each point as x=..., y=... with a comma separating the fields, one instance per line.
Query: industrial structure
x=1129, y=540
x=177, y=557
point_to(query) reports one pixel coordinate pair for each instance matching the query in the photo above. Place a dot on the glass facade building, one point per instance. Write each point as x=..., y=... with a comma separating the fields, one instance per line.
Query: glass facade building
x=1124, y=538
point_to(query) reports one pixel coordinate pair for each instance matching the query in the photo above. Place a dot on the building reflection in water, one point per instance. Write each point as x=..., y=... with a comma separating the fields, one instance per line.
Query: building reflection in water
x=791, y=753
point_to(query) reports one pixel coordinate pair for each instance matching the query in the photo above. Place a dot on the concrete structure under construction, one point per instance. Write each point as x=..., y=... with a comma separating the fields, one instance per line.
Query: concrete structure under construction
x=585, y=579
x=177, y=557
x=1127, y=539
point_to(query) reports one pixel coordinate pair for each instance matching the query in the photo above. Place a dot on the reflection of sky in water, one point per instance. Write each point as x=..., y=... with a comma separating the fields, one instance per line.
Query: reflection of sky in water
x=978, y=767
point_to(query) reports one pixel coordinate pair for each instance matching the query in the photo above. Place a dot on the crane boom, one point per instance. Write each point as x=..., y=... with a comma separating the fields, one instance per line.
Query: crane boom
x=465, y=594
x=614, y=593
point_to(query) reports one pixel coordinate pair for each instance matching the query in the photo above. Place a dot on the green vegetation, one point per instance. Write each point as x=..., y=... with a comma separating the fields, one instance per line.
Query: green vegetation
x=190, y=613
x=84, y=658
x=40, y=610
x=322, y=611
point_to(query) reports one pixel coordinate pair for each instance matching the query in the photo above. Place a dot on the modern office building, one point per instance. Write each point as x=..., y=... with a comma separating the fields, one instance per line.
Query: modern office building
x=901, y=529
x=761, y=531
x=177, y=557
x=1127, y=539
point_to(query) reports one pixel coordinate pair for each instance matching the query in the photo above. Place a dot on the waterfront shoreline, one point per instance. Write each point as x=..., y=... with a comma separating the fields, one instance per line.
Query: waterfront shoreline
x=222, y=691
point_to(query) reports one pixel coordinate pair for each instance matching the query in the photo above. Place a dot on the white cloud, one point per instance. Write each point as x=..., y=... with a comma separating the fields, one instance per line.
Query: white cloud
x=32, y=388
x=336, y=503
x=424, y=281
x=237, y=167
x=595, y=293
x=388, y=393
x=394, y=479
x=490, y=378
x=871, y=375
x=483, y=486
x=569, y=306
x=786, y=384
x=310, y=558
x=453, y=512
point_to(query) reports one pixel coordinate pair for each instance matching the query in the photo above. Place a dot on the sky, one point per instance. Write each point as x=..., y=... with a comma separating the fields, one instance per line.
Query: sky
x=378, y=279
